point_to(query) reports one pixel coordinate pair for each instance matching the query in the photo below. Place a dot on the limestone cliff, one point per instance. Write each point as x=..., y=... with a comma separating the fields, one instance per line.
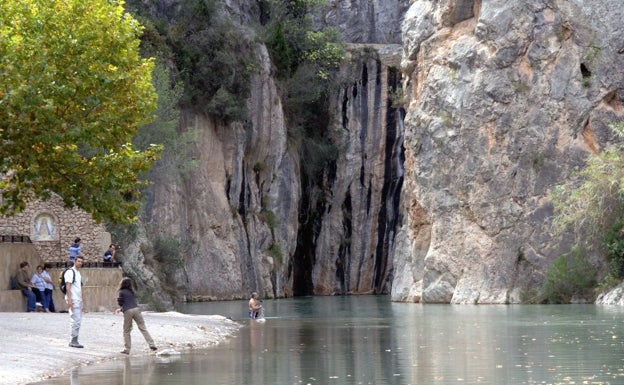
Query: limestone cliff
x=454, y=119
x=364, y=22
x=248, y=218
x=506, y=97
x=244, y=176
x=346, y=247
x=251, y=226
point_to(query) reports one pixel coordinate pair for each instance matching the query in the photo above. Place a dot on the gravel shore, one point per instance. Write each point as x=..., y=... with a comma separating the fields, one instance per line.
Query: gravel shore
x=34, y=346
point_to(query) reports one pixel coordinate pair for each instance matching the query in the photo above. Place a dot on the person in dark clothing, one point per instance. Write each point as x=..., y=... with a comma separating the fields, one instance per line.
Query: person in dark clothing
x=130, y=308
x=109, y=257
x=23, y=284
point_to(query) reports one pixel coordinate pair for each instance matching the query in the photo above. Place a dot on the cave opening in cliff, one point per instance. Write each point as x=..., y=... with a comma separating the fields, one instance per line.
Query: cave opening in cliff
x=585, y=72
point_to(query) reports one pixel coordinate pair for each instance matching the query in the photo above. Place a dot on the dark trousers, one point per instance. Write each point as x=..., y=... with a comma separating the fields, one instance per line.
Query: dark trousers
x=48, y=296
x=38, y=295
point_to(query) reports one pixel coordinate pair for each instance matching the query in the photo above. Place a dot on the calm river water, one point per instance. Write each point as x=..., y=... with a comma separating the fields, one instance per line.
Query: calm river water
x=370, y=340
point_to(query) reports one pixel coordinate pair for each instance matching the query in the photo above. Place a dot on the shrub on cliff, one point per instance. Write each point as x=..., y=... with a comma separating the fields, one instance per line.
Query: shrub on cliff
x=569, y=276
x=594, y=199
x=292, y=41
x=210, y=55
x=592, y=204
x=305, y=60
x=614, y=247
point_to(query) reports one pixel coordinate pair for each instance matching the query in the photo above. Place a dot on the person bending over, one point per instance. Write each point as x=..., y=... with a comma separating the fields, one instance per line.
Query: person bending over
x=131, y=312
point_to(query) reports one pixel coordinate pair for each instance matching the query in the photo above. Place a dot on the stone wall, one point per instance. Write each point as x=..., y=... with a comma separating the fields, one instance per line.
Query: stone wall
x=99, y=284
x=53, y=228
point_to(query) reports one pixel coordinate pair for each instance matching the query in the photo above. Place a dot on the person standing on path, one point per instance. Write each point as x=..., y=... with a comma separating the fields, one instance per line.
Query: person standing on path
x=74, y=250
x=131, y=312
x=73, y=297
x=49, y=288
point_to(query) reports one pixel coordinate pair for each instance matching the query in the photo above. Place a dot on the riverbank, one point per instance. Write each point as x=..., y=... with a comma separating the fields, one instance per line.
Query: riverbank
x=34, y=346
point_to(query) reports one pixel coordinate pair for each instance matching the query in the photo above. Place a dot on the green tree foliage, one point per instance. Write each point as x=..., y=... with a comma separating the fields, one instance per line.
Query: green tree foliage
x=177, y=156
x=292, y=42
x=595, y=200
x=569, y=275
x=591, y=206
x=280, y=50
x=614, y=247
x=214, y=60
x=162, y=129
x=211, y=56
x=73, y=91
x=304, y=60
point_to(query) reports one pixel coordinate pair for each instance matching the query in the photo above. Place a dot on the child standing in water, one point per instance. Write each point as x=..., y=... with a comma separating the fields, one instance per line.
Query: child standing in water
x=131, y=312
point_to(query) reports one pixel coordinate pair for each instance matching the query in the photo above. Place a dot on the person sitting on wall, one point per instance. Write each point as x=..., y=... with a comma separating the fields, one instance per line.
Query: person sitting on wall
x=39, y=289
x=23, y=284
x=109, y=256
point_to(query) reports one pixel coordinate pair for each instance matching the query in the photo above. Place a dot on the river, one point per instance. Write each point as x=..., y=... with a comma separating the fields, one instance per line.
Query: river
x=370, y=340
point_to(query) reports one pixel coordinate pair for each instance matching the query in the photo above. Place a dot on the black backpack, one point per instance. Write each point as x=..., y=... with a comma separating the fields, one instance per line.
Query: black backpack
x=14, y=282
x=61, y=280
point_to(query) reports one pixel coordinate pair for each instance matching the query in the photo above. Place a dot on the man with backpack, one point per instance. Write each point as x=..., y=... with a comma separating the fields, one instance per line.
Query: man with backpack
x=73, y=297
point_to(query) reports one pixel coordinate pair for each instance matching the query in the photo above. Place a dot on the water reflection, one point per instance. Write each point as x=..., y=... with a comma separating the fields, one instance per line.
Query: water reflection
x=512, y=344
x=127, y=371
x=369, y=340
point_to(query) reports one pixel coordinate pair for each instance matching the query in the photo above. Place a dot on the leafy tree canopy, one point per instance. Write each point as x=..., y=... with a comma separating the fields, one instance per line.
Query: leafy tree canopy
x=73, y=92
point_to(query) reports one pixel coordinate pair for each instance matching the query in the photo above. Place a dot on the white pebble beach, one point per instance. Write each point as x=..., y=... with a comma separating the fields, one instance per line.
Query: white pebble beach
x=34, y=346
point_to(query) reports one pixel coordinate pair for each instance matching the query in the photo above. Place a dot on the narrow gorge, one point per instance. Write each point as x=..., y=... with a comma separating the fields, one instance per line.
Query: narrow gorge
x=450, y=122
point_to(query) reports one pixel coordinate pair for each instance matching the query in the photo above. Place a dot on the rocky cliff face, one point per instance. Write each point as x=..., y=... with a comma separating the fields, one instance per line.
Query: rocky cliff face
x=452, y=130
x=347, y=245
x=247, y=218
x=505, y=99
x=251, y=226
x=224, y=207
x=364, y=21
